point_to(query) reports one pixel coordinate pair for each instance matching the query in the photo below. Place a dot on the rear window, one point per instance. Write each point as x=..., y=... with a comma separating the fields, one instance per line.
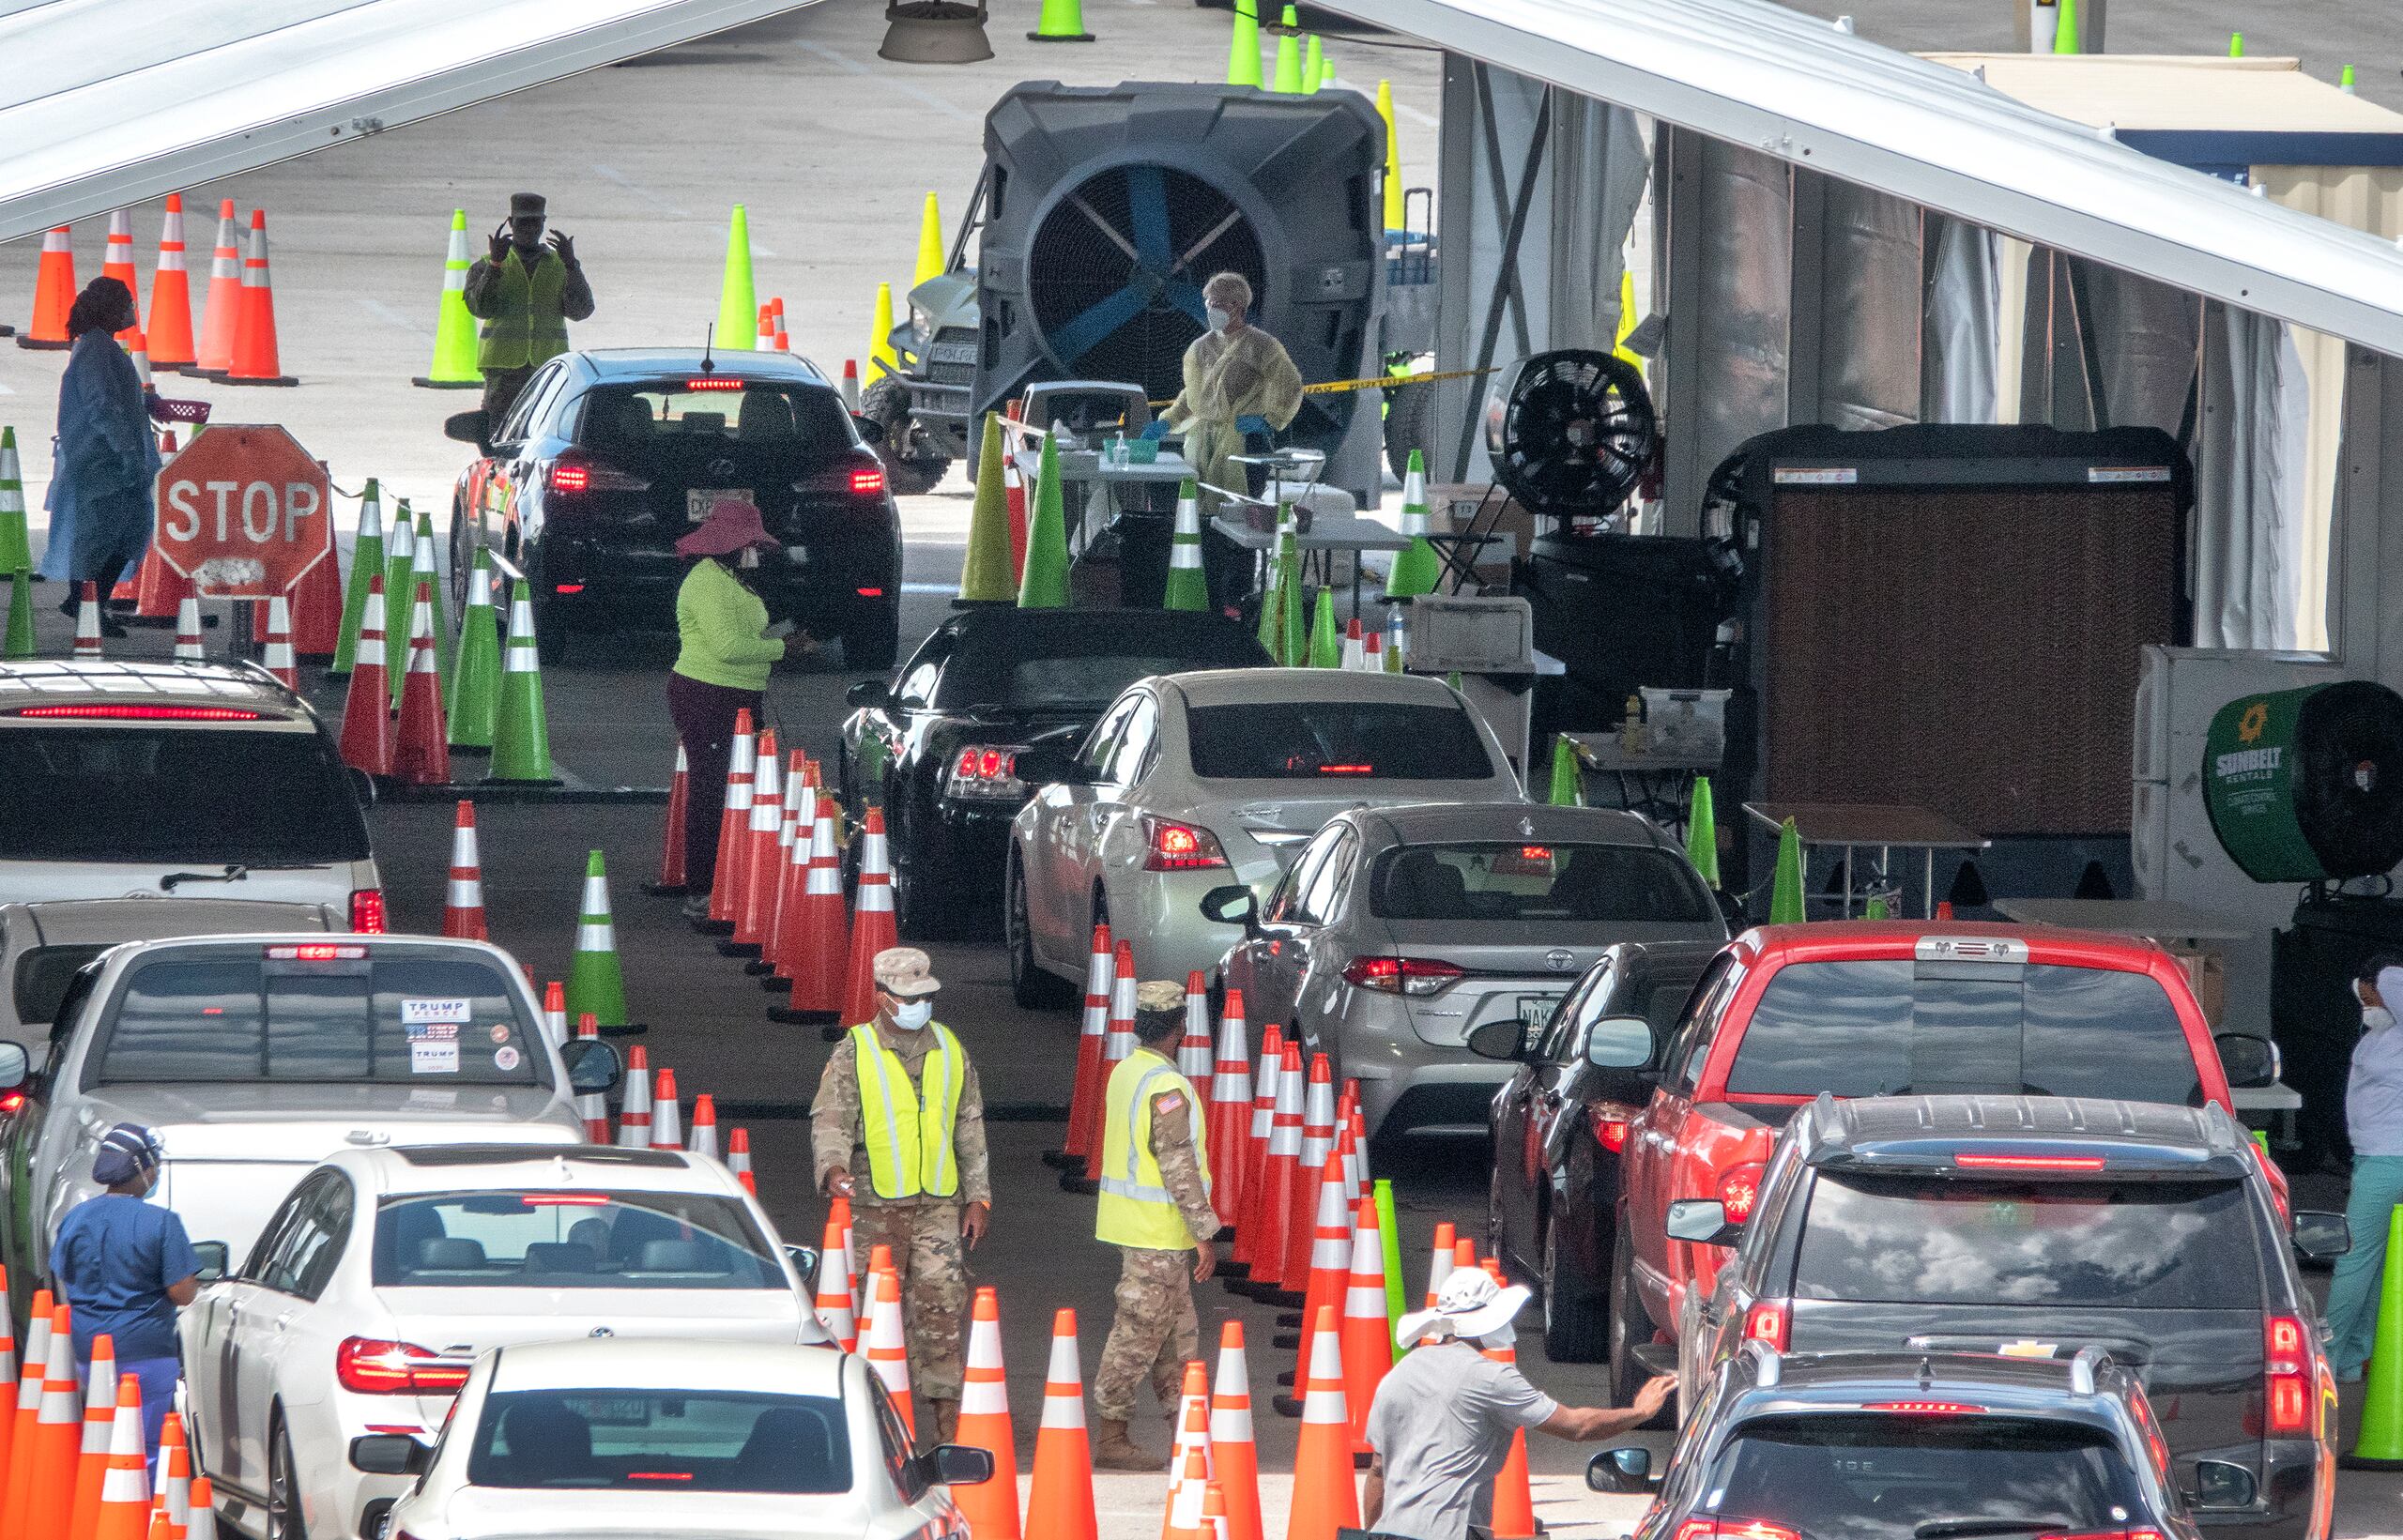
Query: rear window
x=156, y=795
x=43, y=975
x=1567, y=884
x=571, y=1240
x=626, y=419
x=401, y=1020
x=1335, y=741
x=647, y=1441
x=1883, y=1476
x=1897, y=1026
x=1090, y=668
x=2147, y=1246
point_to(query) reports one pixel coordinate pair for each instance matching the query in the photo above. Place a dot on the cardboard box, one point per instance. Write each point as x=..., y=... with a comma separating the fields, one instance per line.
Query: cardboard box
x=2207, y=975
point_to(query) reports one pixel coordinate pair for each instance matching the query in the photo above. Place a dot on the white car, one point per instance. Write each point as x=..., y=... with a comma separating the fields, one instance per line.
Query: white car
x=385, y=1273
x=1192, y=781
x=667, y=1439
x=253, y=1057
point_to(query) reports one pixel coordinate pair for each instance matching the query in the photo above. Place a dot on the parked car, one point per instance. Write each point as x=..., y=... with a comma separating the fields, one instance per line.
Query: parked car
x=1913, y=1446
x=678, y=1441
x=1885, y=1008
x=2040, y=1227
x=1401, y=933
x=1560, y=1127
x=42, y=946
x=610, y=455
x=179, y=780
x=387, y=1271
x=255, y=1057
x=1197, y=780
x=938, y=747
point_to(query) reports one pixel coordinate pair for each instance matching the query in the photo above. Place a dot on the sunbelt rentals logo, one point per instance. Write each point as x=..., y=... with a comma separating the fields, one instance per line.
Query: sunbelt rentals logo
x=2250, y=764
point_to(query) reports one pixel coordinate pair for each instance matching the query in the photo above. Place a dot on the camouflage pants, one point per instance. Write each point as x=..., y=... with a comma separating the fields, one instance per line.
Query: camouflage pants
x=1155, y=1332
x=932, y=1262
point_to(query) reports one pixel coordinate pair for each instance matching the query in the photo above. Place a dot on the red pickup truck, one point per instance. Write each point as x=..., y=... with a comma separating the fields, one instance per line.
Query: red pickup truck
x=1884, y=1008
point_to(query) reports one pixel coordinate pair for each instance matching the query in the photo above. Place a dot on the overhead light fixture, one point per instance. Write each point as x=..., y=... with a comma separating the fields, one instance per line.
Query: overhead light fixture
x=935, y=32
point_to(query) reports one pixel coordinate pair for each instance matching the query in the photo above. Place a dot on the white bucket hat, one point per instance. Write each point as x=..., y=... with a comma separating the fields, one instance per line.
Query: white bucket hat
x=1470, y=1304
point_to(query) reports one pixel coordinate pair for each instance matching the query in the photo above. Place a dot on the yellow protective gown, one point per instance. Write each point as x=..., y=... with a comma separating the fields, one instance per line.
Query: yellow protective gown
x=1231, y=374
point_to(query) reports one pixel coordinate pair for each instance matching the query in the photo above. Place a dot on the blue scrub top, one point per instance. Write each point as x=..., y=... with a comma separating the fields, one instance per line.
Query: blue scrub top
x=116, y=1257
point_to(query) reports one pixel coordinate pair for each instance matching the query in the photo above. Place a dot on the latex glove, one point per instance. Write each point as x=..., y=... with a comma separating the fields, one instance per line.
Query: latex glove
x=1156, y=429
x=1251, y=425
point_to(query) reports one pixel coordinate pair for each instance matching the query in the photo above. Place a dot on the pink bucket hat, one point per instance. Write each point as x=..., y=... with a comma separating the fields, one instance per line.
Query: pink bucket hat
x=733, y=524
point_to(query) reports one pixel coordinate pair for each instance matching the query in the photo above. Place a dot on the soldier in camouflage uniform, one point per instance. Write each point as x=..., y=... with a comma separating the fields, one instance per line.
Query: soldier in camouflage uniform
x=1154, y=1207
x=931, y=1198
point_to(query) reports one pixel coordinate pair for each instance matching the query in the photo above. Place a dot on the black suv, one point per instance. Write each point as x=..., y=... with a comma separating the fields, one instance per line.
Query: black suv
x=2036, y=1227
x=1911, y=1446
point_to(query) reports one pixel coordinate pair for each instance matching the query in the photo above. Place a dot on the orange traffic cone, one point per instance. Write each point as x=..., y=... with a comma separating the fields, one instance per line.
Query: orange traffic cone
x=1367, y=1336
x=886, y=1353
x=1014, y=499
x=462, y=907
x=990, y=1507
x=733, y=827
x=125, y=1487
x=1059, y=1505
x=633, y=1107
x=667, y=1111
x=792, y=874
x=58, y=1436
x=138, y=348
x=1330, y=1262
x=87, y=623
x=1189, y=1443
x=174, y=1476
x=53, y=292
x=202, y=1525
x=7, y=1381
x=158, y=589
x=1234, y=1458
x=187, y=642
x=1250, y=1157
x=256, y=360
x=99, y=1415
x=117, y=261
x=1318, y=1141
x=367, y=713
x=1260, y=1233
x=838, y=1217
x=170, y=322
x=1117, y=1041
x=818, y=949
x=759, y=854
x=591, y=1106
x=278, y=658
x=554, y=1010
x=1440, y=1266
x=1229, y=1116
x=851, y=385
x=1324, y=1498
x=1085, y=1093
x=222, y=317
x=701, y=1139
x=1514, y=1498
x=670, y=883
x=738, y=1160
x=1214, y=1513
x=1193, y=1051
x=834, y=1303
x=422, y=757
x=27, y=1406
x=871, y=923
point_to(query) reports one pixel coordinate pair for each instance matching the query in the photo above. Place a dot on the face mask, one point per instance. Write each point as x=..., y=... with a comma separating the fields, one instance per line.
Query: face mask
x=912, y=1015
x=1216, y=317
x=2376, y=1016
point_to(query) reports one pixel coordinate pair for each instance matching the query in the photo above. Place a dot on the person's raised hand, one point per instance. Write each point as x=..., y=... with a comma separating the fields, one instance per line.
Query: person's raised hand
x=1655, y=1395
x=565, y=246
x=499, y=243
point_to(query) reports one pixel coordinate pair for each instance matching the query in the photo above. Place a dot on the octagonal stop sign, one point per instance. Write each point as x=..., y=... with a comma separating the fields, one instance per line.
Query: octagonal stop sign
x=243, y=511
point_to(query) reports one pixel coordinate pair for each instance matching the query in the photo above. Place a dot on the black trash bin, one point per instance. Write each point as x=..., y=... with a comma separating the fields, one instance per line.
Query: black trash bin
x=1144, y=540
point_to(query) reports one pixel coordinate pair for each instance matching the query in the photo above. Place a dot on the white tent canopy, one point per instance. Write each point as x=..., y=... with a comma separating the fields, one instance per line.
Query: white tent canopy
x=106, y=102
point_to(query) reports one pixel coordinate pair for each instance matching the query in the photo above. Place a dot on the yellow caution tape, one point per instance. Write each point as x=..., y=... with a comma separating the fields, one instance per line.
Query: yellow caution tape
x=1385, y=382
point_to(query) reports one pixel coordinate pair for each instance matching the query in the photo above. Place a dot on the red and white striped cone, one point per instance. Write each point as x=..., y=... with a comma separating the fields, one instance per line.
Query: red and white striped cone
x=1085, y=1095
x=1235, y=1454
x=1189, y=1452
x=737, y=1159
x=367, y=711
x=1324, y=1500
x=761, y=829
x=834, y=1299
x=58, y=1435
x=174, y=1476
x=169, y=326
x=1117, y=1041
x=990, y=1507
x=463, y=907
x=1367, y=1333
x=851, y=385
x=554, y=1010
x=99, y=1416
x=1258, y=1131
x=1372, y=658
x=421, y=753
x=671, y=836
x=221, y=317
x=117, y=261
x=667, y=1112
x=702, y=1140
x=188, y=637
x=887, y=1354
x=1317, y=1143
x=87, y=623
x=1229, y=1109
x=1356, y=655
x=800, y=827
x=278, y=659
x=872, y=929
x=821, y=935
x=633, y=1108
x=1194, y=1053
x=733, y=827
x=591, y=1106
x=1439, y=1266
x=1281, y=1180
x=125, y=1487
x=202, y=1525
x=1330, y=1261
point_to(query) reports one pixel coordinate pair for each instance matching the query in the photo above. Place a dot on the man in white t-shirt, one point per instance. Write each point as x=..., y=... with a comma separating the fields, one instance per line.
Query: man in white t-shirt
x=1442, y=1422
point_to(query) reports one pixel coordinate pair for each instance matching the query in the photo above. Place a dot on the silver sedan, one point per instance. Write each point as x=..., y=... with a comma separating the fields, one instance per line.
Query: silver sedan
x=1398, y=931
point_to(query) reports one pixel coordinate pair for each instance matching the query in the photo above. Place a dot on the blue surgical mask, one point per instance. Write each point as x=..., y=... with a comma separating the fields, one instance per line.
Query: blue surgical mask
x=909, y=1015
x=1216, y=317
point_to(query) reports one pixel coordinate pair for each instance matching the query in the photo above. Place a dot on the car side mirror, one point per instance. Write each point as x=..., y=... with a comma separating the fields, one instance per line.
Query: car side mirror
x=1505, y=1038
x=1627, y=1471
x=804, y=1262
x=389, y=1454
x=364, y=785
x=469, y=428
x=956, y=1465
x=2222, y=1483
x=2321, y=1236
x=1232, y=904
x=215, y=1258
x=1619, y=1042
x=1702, y=1221
x=15, y=1067
x=869, y=695
x=1039, y=765
x=593, y=1067
x=2249, y=1061
x=871, y=430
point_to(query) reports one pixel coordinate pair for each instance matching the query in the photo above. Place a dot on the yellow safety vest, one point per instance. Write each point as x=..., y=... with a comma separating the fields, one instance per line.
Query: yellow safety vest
x=530, y=327
x=1136, y=1208
x=908, y=1133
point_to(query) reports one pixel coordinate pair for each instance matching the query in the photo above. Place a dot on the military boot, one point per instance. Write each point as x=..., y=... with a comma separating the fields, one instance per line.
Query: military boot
x=1112, y=1450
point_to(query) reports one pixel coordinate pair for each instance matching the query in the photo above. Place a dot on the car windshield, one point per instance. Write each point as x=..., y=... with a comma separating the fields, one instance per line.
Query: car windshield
x=1893, y=1027
x=2140, y=1246
x=1335, y=741
x=650, y=1440
x=184, y=795
x=1882, y=1477
x=630, y=422
x=571, y=1240
x=1086, y=668
x=392, y=1019
x=1520, y=883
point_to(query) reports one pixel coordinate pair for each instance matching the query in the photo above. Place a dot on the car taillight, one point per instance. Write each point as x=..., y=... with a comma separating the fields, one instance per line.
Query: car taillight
x=2286, y=1350
x=2100, y=1535
x=1770, y=1322
x=367, y=911
x=1923, y=1409
x=1610, y=1121
x=984, y=773
x=1416, y=976
x=315, y=952
x=1734, y=1529
x=1739, y=1187
x=371, y=1367
x=1973, y=1162
x=574, y=476
x=12, y=1103
x=143, y=713
x=1173, y=847
x=868, y=483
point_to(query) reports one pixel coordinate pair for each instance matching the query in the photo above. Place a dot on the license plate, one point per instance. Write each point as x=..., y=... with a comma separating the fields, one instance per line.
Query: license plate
x=952, y=352
x=697, y=501
x=1535, y=1010
x=614, y=1410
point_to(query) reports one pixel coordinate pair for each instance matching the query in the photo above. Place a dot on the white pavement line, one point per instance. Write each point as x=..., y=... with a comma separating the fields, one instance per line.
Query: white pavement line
x=611, y=174
x=845, y=61
x=390, y=316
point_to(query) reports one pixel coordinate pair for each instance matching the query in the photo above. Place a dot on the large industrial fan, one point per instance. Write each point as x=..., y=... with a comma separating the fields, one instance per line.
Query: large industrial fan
x=1570, y=432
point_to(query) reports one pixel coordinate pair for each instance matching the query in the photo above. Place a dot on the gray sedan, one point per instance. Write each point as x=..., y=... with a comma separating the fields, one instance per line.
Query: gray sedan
x=1399, y=930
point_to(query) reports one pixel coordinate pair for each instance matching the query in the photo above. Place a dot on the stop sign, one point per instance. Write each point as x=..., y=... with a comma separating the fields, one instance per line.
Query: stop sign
x=243, y=511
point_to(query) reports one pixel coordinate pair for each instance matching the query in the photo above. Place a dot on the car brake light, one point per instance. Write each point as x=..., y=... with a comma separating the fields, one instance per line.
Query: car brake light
x=314, y=951
x=984, y=773
x=575, y=476
x=142, y=714
x=1734, y=1529
x=567, y=588
x=2028, y=1163
x=565, y=1200
x=2286, y=1348
x=2100, y=1535
x=659, y=1475
x=1347, y=769
x=11, y=1104
x=714, y=382
x=1923, y=1409
x=371, y=1367
x=1610, y=1121
x=1739, y=1187
x=367, y=911
x=1414, y=975
x=1770, y=1322
x=1173, y=847
x=869, y=593
x=868, y=483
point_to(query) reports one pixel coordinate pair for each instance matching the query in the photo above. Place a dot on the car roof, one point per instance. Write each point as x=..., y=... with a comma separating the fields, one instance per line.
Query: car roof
x=68, y=922
x=36, y=683
x=1869, y=1132
x=1418, y=823
x=509, y=1167
x=614, y=365
x=1830, y=941
x=1253, y=686
x=1689, y=956
x=1002, y=624
x=628, y=1363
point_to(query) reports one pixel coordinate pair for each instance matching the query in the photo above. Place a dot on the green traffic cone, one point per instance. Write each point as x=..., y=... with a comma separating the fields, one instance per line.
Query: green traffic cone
x=521, y=740
x=1417, y=568
x=2065, y=38
x=1389, y=1232
x=985, y=577
x=1313, y=66
x=1062, y=22
x=454, y=329
x=595, y=984
x=1875, y=909
x=21, y=615
x=2345, y=81
x=474, y=705
x=1294, y=638
x=16, y=549
x=2379, y=1445
x=737, y=312
x=1289, y=54
x=1242, y=48
x=1785, y=894
x=1702, y=832
x=366, y=560
x=1459, y=685
x=1568, y=785
x=1326, y=648
x=2236, y=45
x=1044, y=585
x=1188, y=583
x=400, y=562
